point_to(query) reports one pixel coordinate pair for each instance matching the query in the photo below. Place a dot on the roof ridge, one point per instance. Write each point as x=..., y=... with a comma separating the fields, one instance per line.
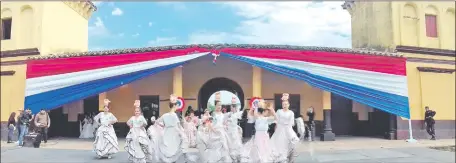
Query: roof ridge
x=361, y=51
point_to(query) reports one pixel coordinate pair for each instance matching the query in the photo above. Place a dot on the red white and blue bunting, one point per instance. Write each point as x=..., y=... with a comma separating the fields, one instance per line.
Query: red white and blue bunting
x=377, y=81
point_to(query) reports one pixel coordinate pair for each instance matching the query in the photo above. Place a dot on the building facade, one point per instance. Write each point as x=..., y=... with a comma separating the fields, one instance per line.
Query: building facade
x=394, y=26
x=424, y=32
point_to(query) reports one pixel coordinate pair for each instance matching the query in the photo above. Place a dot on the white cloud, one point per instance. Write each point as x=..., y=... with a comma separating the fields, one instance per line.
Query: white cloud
x=117, y=12
x=97, y=3
x=162, y=41
x=150, y=24
x=98, y=29
x=291, y=23
x=135, y=35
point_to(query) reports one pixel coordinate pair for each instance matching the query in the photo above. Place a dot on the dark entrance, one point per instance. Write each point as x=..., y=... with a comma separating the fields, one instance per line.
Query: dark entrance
x=150, y=106
x=341, y=115
x=218, y=84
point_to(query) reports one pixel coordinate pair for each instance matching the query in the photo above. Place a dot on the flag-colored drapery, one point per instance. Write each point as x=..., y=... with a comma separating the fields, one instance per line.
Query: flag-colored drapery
x=377, y=81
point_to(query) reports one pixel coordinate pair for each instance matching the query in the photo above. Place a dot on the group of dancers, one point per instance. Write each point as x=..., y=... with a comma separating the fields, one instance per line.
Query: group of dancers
x=87, y=127
x=217, y=136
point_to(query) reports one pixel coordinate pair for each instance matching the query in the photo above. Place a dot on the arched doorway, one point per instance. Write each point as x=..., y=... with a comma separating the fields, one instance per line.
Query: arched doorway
x=217, y=84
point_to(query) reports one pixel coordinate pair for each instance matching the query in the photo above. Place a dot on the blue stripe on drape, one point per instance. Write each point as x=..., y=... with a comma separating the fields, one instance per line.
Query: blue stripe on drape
x=391, y=103
x=59, y=97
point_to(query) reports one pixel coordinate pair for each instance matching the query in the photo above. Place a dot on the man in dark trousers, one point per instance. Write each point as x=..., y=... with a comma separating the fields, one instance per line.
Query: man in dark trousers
x=429, y=120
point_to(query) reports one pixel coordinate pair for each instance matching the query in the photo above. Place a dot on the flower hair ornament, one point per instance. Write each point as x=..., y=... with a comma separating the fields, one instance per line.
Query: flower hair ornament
x=285, y=97
x=106, y=102
x=137, y=103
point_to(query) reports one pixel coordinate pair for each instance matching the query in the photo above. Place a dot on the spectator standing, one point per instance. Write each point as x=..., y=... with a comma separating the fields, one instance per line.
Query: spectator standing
x=43, y=122
x=25, y=119
x=11, y=126
x=430, y=122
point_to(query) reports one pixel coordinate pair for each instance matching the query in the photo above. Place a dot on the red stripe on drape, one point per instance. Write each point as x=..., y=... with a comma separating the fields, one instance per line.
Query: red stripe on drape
x=383, y=64
x=38, y=68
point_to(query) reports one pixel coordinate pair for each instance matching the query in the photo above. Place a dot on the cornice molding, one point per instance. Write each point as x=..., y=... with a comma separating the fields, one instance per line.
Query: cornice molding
x=436, y=70
x=349, y=6
x=83, y=8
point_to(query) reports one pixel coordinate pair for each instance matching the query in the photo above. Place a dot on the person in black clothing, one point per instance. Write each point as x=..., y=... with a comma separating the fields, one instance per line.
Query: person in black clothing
x=25, y=119
x=11, y=126
x=429, y=120
x=18, y=123
x=310, y=123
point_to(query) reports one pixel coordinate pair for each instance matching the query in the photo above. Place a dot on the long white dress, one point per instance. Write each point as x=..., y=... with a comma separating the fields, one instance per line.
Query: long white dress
x=190, y=131
x=258, y=149
x=284, y=139
x=154, y=132
x=137, y=141
x=218, y=126
x=300, y=126
x=87, y=129
x=105, y=143
x=172, y=144
x=211, y=145
x=234, y=133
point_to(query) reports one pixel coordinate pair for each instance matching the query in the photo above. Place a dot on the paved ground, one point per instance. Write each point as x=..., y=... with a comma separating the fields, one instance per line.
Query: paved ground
x=351, y=149
x=413, y=154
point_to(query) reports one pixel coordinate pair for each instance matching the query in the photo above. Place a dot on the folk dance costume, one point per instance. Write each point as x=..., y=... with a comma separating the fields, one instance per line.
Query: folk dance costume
x=87, y=130
x=301, y=127
x=284, y=139
x=259, y=149
x=233, y=131
x=211, y=143
x=106, y=144
x=137, y=141
x=154, y=132
x=172, y=144
x=190, y=123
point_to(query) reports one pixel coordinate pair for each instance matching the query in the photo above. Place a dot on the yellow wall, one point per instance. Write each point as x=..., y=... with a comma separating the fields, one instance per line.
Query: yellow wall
x=389, y=24
x=409, y=23
x=64, y=30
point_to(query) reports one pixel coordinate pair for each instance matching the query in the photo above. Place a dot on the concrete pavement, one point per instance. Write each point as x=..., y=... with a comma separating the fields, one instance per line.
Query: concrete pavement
x=381, y=155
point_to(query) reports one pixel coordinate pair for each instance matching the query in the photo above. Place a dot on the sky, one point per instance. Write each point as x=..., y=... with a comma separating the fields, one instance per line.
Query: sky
x=225, y=98
x=143, y=24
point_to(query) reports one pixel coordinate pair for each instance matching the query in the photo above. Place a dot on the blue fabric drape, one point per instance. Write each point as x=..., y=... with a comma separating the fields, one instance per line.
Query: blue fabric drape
x=391, y=103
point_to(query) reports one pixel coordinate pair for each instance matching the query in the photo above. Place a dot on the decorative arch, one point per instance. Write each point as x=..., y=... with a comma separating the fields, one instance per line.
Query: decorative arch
x=410, y=25
x=217, y=84
x=432, y=10
x=6, y=13
x=27, y=26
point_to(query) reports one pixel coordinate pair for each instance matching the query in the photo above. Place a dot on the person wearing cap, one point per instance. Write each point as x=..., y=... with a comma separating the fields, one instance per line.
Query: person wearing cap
x=43, y=122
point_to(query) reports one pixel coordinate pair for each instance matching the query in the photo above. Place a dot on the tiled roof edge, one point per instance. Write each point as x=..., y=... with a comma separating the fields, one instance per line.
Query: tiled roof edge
x=214, y=47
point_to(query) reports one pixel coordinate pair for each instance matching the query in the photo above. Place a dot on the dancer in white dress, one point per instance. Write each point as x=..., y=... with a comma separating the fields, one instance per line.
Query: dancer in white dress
x=190, y=122
x=284, y=139
x=234, y=131
x=137, y=142
x=106, y=144
x=154, y=132
x=211, y=143
x=172, y=144
x=258, y=149
x=205, y=116
x=301, y=127
x=219, y=127
x=87, y=129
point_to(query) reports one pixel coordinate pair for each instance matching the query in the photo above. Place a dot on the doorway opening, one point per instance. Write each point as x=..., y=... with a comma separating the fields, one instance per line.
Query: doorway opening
x=218, y=84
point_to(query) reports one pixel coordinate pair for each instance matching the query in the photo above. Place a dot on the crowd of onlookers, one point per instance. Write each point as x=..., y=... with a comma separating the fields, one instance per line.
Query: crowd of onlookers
x=26, y=122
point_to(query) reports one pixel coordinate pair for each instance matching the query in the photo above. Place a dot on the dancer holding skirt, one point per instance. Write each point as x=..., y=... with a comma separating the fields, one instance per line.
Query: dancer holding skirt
x=233, y=131
x=172, y=144
x=284, y=139
x=106, y=144
x=211, y=143
x=259, y=149
x=137, y=141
